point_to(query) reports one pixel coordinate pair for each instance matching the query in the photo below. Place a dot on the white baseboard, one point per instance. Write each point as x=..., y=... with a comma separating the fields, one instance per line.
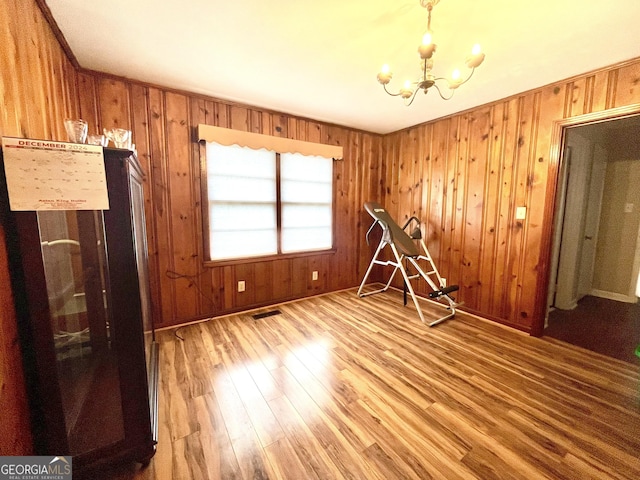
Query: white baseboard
x=569, y=306
x=613, y=296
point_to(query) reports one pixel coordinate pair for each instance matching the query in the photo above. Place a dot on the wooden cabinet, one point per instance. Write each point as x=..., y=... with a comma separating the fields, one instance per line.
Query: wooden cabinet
x=80, y=285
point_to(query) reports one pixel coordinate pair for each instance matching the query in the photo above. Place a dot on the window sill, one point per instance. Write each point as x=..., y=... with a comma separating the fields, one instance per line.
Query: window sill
x=267, y=258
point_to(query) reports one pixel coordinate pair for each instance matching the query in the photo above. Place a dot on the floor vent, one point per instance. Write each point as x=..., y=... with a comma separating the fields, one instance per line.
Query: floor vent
x=270, y=313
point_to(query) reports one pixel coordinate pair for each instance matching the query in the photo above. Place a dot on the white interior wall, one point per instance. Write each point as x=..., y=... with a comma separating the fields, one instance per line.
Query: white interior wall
x=579, y=165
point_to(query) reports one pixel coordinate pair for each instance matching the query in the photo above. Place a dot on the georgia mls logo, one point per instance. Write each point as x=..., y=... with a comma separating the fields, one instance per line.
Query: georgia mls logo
x=35, y=468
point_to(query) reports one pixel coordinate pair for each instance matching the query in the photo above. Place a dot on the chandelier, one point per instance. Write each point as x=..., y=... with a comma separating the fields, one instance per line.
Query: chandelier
x=427, y=79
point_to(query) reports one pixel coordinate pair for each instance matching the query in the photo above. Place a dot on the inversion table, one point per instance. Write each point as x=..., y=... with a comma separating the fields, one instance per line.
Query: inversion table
x=406, y=255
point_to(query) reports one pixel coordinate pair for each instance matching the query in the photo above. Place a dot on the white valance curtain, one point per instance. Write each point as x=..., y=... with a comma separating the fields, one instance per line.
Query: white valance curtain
x=256, y=141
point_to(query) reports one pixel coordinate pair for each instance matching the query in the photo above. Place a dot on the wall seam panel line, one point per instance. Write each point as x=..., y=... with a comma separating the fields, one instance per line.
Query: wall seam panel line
x=568, y=97
x=612, y=83
x=193, y=197
x=153, y=235
x=512, y=190
x=426, y=190
x=503, y=146
x=530, y=181
x=588, y=94
x=465, y=193
x=167, y=182
x=455, y=269
x=485, y=209
x=97, y=103
x=443, y=209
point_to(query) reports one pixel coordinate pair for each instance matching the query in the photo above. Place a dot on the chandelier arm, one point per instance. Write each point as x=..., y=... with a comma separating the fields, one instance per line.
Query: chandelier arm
x=469, y=77
x=440, y=93
x=461, y=83
x=412, y=97
x=392, y=94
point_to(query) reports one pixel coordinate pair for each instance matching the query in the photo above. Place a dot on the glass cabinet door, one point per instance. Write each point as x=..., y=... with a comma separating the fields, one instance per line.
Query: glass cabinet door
x=77, y=278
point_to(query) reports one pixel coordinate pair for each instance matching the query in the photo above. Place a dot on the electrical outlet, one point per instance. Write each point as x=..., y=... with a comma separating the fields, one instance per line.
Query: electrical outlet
x=521, y=213
x=314, y=275
x=241, y=286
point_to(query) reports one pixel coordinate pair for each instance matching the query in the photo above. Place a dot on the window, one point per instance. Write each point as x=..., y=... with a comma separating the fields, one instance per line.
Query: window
x=264, y=203
x=306, y=185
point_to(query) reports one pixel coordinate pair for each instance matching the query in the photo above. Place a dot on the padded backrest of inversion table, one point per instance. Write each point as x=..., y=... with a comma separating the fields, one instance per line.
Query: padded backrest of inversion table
x=391, y=231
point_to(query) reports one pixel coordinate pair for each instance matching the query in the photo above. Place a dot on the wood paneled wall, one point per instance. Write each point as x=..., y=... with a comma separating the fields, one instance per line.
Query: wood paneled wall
x=37, y=91
x=465, y=175
x=164, y=130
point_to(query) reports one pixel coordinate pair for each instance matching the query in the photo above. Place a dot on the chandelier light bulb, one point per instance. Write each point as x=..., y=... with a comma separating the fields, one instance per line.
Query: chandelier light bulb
x=456, y=80
x=385, y=74
x=406, y=91
x=476, y=57
x=426, y=39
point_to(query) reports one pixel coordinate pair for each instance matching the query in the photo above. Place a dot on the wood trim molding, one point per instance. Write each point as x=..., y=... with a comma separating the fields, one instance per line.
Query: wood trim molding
x=555, y=160
x=46, y=12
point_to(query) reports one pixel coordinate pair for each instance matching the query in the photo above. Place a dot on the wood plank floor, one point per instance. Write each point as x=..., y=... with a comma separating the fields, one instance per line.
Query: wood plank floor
x=338, y=387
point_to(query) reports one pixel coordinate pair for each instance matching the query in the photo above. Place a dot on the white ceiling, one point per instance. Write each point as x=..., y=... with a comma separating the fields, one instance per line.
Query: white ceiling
x=319, y=59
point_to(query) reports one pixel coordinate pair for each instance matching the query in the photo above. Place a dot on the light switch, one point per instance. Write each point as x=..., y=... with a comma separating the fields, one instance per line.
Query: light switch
x=521, y=213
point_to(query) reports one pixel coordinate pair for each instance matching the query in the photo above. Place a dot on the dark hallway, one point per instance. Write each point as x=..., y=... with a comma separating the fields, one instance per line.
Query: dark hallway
x=605, y=326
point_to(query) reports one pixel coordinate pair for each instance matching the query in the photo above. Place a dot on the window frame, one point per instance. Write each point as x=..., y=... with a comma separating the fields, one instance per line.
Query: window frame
x=206, y=244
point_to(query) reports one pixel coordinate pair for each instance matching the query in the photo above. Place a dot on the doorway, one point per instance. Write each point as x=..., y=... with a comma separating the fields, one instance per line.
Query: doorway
x=595, y=257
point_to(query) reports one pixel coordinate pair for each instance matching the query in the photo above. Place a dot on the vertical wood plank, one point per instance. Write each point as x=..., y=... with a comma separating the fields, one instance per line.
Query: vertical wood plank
x=11, y=116
x=140, y=133
x=211, y=281
x=547, y=112
x=198, y=115
x=473, y=242
x=628, y=87
x=510, y=120
x=161, y=207
x=263, y=279
x=434, y=192
x=459, y=216
x=239, y=118
x=598, y=91
x=282, y=281
x=513, y=284
x=88, y=105
x=448, y=146
x=299, y=277
x=182, y=205
x=114, y=103
x=490, y=211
